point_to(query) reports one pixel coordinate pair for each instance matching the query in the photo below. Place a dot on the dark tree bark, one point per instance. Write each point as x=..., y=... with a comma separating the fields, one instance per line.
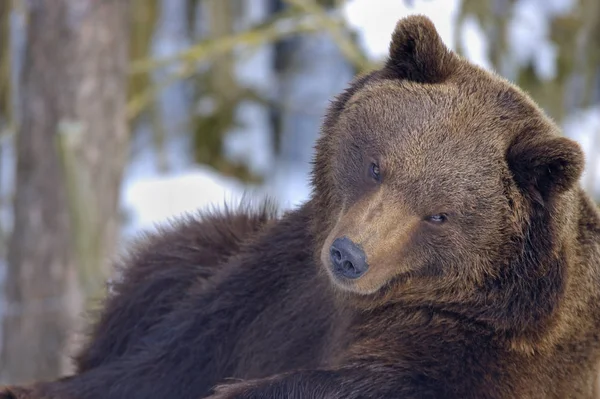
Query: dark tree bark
x=71, y=148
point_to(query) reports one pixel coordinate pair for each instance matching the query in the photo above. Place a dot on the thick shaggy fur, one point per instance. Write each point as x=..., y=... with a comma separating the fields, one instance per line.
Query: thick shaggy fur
x=499, y=298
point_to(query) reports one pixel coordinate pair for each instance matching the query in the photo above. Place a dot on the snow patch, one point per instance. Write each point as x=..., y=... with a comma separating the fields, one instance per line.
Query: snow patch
x=584, y=127
x=375, y=24
x=153, y=200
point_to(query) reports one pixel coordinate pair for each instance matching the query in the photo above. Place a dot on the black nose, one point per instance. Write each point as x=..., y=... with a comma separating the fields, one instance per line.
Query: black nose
x=348, y=259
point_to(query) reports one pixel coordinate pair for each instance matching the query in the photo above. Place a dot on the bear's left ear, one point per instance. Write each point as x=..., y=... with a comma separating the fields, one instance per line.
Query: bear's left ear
x=417, y=52
x=544, y=166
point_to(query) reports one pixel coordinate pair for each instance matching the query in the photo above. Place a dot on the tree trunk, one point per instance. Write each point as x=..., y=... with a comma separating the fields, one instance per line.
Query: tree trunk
x=71, y=149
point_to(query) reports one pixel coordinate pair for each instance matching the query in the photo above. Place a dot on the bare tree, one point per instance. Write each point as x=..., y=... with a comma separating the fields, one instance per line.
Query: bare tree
x=71, y=147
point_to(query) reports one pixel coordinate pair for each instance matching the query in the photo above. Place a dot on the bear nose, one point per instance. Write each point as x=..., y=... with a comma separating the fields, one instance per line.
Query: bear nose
x=348, y=259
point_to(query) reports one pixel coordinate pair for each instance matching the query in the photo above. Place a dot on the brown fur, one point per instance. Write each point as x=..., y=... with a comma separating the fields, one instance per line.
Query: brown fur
x=502, y=300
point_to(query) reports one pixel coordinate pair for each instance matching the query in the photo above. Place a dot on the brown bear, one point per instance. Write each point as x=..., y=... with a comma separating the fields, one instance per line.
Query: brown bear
x=447, y=251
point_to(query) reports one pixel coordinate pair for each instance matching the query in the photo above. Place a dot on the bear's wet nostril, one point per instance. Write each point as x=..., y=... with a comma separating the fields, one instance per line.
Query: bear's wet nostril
x=349, y=267
x=336, y=255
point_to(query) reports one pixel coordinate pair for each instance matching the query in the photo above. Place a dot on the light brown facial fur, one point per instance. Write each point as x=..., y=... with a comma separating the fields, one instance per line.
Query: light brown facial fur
x=383, y=227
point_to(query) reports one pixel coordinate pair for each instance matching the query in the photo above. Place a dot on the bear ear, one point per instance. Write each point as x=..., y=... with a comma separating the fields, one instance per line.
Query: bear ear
x=417, y=52
x=546, y=166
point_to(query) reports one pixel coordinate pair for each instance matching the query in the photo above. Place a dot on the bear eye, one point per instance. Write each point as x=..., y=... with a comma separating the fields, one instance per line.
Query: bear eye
x=375, y=172
x=437, y=219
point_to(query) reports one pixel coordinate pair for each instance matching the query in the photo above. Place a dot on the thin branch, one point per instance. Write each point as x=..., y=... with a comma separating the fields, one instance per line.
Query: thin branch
x=313, y=19
x=211, y=48
x=139, y=102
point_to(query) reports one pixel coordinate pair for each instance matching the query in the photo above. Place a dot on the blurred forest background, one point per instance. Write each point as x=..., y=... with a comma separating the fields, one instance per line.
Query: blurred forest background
x=117, y=114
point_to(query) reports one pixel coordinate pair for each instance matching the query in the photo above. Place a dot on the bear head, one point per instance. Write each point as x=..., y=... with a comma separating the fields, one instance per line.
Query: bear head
x=439, y=184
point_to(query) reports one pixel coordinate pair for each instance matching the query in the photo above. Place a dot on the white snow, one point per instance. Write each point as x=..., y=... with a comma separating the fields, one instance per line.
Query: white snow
x=156, y=199
x=375, y=24
x=584, y=127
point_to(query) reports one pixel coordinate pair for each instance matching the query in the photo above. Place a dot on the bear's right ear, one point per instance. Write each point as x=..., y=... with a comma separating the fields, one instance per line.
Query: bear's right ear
x=544, y=166
x=417, y=52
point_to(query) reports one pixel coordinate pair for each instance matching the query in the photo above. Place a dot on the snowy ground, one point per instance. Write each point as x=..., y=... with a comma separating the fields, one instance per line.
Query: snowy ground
x=156, y=199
